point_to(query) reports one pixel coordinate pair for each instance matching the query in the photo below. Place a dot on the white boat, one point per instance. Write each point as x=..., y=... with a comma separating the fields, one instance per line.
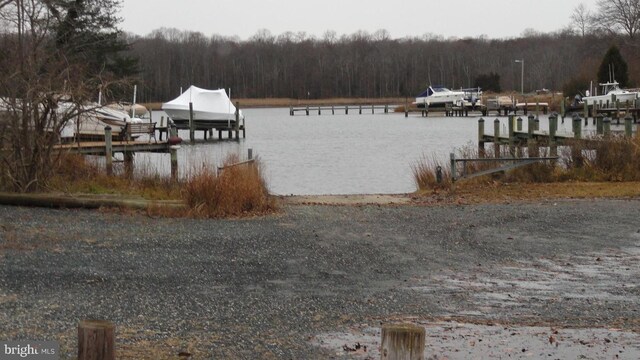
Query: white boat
x=92, y=120
x=209, y=107
x=439, y=96
x=611, y=93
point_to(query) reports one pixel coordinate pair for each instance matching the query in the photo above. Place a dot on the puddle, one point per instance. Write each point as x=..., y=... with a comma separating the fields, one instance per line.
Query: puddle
x=453, y=340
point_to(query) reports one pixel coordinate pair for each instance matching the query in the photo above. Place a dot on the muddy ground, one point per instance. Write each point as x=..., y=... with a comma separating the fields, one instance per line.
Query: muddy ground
x=552, y=279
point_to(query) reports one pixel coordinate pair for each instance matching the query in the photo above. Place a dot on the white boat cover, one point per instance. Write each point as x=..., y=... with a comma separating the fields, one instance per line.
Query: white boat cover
x=216, y=103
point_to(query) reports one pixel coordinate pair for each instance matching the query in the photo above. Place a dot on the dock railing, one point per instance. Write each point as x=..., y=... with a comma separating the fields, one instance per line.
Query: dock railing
x=514, y=162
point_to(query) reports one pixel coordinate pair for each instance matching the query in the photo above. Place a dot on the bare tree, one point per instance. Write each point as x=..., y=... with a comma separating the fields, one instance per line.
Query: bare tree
x=40, y=91
x=582, y=19
x=619, y=16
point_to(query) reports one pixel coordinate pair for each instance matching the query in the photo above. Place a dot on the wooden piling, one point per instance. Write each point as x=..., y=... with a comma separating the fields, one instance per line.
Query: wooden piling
x=553, y=127
x=628, y=126
x=496, y=137
x=519, y=126
x=599, y=124
x=577, y=127
x=481, y=150
x=237, y=124
x=173, y=132
x=96, y=340
x=403, y=342
x=512, y=134
x=532, y=148
x=192, y=128
x=606, y=127
x=108, y=149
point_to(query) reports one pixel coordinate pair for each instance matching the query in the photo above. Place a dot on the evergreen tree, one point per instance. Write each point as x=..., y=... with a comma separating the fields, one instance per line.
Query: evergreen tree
x=86, y=31
x=488, y=82
x=613, y=67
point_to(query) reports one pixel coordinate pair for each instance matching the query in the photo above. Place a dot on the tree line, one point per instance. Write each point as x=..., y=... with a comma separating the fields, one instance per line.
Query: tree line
x=363, y=65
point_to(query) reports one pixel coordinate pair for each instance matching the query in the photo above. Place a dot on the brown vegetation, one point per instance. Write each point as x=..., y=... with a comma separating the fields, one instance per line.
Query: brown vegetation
x=613, y=159
x=235, y=191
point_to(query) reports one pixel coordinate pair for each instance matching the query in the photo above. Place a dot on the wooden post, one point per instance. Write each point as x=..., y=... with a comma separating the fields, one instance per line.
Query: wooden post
x=553, y=126
x=562, y=108
x=96, y=340
x=192, y=128
x=599, y=124
x=174, y=154
x=360, y=107
x=586, y=110
x=532, y=149
x=512, y=134
x=402, y=342
x=577, y=127
x=452, y=157
x=307, y=110
x=249, y=153
x=496, y=137
x=128, y=164
x=519, y=121
x=406, y=107
x=237, y=124
x=108, y=149
x=346, y=109
x=481, y=137
x=319, y=110
x=161, y=127
x=372, y=109
x=628, y=126
x=333, y=110
x=606, y=127
x=290, y=110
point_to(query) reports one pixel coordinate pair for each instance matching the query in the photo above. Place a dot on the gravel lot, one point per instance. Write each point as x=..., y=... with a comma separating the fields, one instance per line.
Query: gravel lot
x=306, y=282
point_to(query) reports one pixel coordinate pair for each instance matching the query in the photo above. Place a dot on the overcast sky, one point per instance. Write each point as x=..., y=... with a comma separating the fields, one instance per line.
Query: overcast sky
x=449, y=18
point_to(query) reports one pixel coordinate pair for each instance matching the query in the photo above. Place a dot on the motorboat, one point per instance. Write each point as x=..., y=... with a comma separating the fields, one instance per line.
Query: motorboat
x=210, y=107
x=89, y=120
x=435, y=96
x=611, y=92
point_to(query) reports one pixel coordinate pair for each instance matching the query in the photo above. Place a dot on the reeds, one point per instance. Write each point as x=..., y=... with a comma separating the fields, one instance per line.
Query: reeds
x=235, y=191
x=615, y=158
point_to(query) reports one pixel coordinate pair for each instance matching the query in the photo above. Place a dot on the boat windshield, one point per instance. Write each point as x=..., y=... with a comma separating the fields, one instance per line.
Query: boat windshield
x=441, y=89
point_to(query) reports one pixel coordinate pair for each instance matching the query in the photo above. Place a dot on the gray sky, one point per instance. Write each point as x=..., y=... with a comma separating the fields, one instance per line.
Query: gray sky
x=459, y=18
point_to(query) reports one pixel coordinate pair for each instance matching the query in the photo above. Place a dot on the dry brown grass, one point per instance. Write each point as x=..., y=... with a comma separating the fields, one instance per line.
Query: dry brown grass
x=75, y=174
x=235, y=191
x=614, y=159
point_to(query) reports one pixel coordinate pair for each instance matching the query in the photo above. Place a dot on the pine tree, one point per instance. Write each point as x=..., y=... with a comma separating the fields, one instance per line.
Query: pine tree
x=613, y=67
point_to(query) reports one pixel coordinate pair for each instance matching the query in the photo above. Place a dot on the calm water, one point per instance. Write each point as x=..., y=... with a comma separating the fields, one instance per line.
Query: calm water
x=334, y=154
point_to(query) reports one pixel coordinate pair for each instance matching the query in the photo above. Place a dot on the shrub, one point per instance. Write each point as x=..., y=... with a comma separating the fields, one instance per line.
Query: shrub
x=235, y=191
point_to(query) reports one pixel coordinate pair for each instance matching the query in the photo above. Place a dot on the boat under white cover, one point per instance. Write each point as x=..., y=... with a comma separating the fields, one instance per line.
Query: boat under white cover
x=208, y=105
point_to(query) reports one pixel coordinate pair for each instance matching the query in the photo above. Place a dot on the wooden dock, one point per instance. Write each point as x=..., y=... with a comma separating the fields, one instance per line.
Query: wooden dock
x=340, y=109
x=128, y=148
x=534, y=138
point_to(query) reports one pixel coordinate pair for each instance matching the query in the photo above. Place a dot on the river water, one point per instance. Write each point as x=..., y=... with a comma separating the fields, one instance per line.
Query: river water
x=333, y=154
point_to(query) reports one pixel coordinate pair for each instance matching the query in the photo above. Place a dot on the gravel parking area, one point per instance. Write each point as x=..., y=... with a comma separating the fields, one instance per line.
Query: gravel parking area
x=315, y=280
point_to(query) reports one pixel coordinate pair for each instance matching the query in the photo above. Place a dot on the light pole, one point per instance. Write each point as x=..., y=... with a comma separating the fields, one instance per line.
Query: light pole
x=521, y=76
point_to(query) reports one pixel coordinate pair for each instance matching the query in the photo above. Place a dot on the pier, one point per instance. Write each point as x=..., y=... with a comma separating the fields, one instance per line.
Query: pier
x=533, y=137
x=341, y=109
x=127, y=147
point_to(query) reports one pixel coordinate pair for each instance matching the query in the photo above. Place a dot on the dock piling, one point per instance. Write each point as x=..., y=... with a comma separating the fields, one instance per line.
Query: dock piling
x=108, y=149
